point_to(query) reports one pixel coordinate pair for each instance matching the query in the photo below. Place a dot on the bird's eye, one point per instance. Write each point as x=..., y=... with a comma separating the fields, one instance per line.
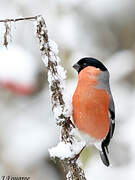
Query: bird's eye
x=84, y=64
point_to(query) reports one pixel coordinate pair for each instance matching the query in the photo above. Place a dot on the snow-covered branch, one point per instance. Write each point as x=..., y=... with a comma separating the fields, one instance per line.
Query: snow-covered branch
x=70, y=145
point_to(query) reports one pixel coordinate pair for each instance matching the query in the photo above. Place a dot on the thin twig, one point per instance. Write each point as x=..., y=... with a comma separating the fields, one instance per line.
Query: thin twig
x=7, y=33
x=19, y=19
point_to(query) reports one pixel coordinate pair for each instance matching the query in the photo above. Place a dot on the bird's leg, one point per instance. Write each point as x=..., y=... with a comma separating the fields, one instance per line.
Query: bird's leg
x=77, y=155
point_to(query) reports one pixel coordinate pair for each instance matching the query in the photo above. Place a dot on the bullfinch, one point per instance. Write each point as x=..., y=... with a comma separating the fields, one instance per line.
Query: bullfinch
x=93, y=105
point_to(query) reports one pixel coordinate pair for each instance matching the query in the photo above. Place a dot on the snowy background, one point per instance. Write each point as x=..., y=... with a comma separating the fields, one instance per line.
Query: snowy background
x=103, y=29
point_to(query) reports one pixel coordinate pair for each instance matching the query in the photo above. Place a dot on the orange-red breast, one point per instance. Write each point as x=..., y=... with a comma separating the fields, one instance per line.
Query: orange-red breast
x=93, y=106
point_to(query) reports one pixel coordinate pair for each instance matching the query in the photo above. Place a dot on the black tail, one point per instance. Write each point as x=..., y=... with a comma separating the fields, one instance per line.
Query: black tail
x=103, y=154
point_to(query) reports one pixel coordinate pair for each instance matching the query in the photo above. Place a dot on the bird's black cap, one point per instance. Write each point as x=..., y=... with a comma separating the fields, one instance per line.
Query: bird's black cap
x=88, y=61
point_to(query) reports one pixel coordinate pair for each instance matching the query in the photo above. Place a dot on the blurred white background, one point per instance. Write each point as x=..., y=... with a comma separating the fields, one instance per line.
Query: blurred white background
x=103, y=29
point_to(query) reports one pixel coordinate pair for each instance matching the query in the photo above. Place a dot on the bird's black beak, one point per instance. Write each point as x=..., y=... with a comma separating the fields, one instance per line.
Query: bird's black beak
x=76, y=67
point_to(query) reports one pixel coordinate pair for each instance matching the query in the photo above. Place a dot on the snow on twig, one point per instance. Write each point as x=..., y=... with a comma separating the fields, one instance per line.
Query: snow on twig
x=70, y=144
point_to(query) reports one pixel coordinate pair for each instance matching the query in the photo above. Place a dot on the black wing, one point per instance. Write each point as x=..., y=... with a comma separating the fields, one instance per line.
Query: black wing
x=106, y=141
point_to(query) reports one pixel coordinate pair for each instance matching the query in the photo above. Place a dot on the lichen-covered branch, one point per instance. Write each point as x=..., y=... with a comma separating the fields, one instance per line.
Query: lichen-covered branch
x=70, y=144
